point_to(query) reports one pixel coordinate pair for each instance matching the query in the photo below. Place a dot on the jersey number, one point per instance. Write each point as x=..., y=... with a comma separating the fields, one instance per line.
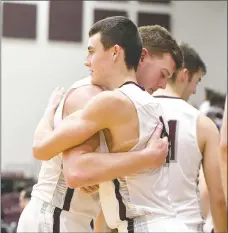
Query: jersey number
x=172, y=139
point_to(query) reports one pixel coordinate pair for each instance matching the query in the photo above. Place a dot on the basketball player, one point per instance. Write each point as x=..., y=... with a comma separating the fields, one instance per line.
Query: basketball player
x=73, y=208
x=137, y=202
x=223, y=151
x=195, y=140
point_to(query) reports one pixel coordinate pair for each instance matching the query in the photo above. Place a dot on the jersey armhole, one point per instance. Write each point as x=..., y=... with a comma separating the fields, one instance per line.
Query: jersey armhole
x=196, y=135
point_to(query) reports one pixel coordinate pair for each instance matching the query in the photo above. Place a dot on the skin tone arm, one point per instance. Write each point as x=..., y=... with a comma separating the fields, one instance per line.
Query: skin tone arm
x=76, y=128
x=204, y=197
x=223, y=151
x=208, y=131
x=82, y=167
x=91, y=145
x=46, y=124
x=76, y=167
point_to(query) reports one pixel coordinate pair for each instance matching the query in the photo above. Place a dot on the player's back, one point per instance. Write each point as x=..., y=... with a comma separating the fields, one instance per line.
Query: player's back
x=141, y=200
x=185, y=160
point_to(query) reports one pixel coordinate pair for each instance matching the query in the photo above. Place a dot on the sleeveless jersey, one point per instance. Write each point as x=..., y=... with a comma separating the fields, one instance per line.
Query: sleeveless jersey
x=145, y=193
x=51, y=186
x=185, y=160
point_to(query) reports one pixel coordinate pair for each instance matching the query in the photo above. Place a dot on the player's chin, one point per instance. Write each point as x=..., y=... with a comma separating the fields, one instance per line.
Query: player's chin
x=94, y=79
x=150, y=90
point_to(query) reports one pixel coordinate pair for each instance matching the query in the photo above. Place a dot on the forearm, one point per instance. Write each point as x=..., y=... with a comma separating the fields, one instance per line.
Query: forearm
x=94, y=168
x=204, y=196
x=71, y=132
x=219, y=216
x=44, y=128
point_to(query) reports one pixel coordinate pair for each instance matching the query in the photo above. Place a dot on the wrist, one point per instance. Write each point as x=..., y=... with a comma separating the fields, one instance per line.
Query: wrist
x=49, y=111
x=147, y=157
x=153, y=158
x=49, y=116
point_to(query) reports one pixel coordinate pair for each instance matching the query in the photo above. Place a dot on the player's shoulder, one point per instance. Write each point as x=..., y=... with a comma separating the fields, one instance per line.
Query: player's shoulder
x=206, y=125
x=186, y=107
x=84, y=84
x=173, y=101
x=112, y=105
x=78, y=97
x=111, y=98
x=84, y=92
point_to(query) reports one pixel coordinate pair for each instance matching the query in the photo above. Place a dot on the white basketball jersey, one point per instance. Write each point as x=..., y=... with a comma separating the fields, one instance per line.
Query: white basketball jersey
x=51, y=186
x=145, y=193
x=185, y=160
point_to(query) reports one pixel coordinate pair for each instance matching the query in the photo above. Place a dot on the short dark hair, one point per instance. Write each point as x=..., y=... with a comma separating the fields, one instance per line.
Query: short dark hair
x=192, y=60
x=157, y=40
x=123, y=32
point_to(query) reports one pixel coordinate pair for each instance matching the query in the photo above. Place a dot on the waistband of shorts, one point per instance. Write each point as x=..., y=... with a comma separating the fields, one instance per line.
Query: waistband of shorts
x=141, y=221
x=45, y=207
x=153, y=218
x=145, y=219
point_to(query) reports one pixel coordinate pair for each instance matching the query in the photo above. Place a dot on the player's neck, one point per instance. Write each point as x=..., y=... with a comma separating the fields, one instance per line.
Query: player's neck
x=120, y=78
x=170, y=90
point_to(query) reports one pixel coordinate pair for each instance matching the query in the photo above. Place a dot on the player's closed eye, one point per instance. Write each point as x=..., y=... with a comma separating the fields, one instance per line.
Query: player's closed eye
x=162, y=75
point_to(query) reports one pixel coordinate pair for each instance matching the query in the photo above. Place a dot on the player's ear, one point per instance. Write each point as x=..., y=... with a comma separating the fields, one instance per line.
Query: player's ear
x=144, y=54
x=116, y=52
x=183, y=75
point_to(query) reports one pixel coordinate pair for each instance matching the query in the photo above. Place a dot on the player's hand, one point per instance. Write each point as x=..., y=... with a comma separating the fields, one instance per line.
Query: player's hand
x=55, y=98
x=157, y=148
x=90, y=189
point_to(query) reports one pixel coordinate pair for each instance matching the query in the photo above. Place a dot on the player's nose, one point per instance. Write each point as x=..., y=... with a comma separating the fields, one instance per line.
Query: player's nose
x=87, y=62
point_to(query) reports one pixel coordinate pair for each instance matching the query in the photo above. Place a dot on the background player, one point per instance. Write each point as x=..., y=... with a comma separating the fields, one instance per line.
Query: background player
x=195, y=140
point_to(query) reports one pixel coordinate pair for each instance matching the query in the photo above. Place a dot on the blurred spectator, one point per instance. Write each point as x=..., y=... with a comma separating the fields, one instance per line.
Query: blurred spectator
x=4, y=226
x=25, y=196
x=213, y=106
x=11, y=186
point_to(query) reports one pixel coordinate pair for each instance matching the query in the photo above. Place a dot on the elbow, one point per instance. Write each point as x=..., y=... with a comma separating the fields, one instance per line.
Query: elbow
x=72, y=181
x=77, y=178
x=218, y=199
x=221, y=201
x=38, y=153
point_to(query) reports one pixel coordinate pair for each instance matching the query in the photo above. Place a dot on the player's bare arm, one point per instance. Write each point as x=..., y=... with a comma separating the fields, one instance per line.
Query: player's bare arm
x=223, y=151
x=204, y=197
x=75, y=101
x=73, y=130
x=102, y=112
x=91, y=145
x=46, y=123
x=209, y=144
x=83, y=167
